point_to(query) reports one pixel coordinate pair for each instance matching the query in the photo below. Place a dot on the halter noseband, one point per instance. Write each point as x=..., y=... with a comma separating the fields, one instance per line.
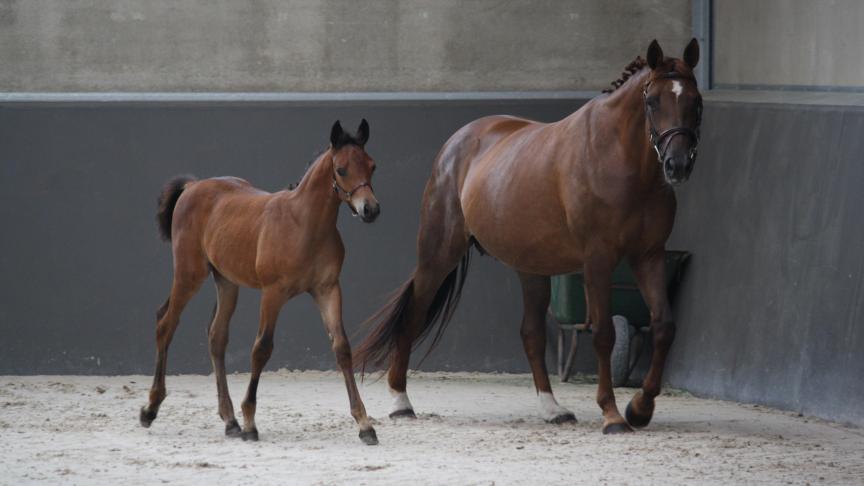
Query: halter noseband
x=660, y=141
x=337, y=189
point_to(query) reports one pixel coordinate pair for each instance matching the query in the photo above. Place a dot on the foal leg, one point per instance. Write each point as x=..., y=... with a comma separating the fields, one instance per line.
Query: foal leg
x=187, y=280
x=272, y=300
x=651, y=275
x=226, y=302
x=535, y=300
x=329, y=300
x=598, y=284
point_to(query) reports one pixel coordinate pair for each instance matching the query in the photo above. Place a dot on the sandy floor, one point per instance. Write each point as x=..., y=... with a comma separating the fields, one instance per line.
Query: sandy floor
x=472, y=429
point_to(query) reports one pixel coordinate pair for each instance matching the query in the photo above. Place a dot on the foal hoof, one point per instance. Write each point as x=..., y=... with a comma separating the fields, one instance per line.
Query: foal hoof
x=146, y=417
x=617, y=428
x=368, y=437
x=635, y=419
x=563, y=419
x=232, y=429
x=404, y=413
x=249, y=435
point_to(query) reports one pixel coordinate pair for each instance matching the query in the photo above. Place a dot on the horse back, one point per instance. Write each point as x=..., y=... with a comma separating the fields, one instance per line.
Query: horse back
x=219, y=220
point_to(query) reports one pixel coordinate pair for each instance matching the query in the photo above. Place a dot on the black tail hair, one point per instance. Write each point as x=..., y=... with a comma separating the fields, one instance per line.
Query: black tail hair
x=376, y=349
x=167, y=200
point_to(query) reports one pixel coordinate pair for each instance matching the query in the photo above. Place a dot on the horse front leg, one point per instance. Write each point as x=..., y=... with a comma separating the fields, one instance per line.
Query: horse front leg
x=651, y=275
x=329, y=300
x=535, y=301
x=598, y=285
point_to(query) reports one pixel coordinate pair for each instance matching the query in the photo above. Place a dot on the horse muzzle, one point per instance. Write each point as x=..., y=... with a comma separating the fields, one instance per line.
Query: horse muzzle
x=368, y=210
x=677, y=168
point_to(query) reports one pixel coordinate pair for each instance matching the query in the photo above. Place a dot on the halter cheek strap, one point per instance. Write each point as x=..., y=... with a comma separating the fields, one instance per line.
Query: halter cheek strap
x=660, y=141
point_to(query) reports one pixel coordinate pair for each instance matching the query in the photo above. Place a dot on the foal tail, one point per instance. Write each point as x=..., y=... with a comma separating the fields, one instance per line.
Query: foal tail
x=393, y=317
x=167, y=200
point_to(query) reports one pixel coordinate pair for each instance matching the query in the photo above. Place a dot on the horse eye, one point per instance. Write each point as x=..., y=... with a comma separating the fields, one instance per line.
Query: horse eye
x=373, y=168
x=653, y=103
x=342, y=171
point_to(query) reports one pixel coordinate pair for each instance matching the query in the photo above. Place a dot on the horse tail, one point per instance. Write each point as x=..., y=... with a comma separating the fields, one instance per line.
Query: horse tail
x=168, y=200
x=392, y=319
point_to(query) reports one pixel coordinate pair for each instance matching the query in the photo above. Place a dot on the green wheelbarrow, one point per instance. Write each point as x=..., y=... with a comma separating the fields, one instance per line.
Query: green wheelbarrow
x=630, y=315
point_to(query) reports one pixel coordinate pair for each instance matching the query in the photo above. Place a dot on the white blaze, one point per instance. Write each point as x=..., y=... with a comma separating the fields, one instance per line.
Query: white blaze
x=677, y=89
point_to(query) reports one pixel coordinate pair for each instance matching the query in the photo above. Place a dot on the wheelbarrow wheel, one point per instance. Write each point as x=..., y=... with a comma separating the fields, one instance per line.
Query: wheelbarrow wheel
x=621, y=351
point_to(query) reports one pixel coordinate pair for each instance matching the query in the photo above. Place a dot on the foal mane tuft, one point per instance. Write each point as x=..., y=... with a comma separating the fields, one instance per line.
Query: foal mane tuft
x=629, y=70
x=309, y=165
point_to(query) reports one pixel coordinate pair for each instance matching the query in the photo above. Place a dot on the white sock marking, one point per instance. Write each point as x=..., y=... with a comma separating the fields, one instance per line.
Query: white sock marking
x=549, y=407
x=400, y=401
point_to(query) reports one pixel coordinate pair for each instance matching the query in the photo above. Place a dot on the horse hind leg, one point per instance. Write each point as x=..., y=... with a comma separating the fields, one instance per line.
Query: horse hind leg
x=535, y=300
x=187, y=280
x=217, y=333
x=439, y=262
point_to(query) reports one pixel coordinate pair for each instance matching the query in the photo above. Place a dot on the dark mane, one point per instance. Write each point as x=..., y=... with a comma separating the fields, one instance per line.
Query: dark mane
x=629, y=70
x=309, y=165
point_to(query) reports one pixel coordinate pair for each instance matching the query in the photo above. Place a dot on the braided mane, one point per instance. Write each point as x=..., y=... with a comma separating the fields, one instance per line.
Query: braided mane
x=630, y=70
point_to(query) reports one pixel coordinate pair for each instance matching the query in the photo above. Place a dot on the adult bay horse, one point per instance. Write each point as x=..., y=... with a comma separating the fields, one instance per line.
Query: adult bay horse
x=552, y=198
x=284, y=243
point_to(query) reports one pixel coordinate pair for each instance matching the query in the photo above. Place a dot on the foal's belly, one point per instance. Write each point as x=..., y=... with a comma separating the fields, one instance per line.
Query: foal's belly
x=231, y=240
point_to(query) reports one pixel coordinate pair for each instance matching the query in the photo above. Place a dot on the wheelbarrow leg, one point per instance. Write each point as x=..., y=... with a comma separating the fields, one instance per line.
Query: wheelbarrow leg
x=571, y=356
x=565, y=364
x=560, y=351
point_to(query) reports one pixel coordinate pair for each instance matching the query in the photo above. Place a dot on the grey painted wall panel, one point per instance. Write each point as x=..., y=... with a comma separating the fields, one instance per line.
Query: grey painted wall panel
x=773, y=304
x=770, y=310
x=82, y=269
x=333, y=45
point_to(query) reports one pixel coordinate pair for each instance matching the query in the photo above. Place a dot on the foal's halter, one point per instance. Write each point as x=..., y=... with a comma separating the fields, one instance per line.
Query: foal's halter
x=661, y=140
x=347, y=199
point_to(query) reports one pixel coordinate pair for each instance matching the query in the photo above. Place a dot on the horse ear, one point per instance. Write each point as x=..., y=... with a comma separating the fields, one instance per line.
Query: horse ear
x=691, y=53
x=363, y=132
x=336, y=134
x=655, y=54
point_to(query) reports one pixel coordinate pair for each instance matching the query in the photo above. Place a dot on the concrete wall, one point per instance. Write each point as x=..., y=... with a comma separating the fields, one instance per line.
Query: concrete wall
x=772, y=306
x=788, y=44
x=333, y=45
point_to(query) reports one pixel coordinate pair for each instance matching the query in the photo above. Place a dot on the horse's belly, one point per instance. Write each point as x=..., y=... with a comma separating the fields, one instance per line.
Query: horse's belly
x=531, y=245
x=231, y=247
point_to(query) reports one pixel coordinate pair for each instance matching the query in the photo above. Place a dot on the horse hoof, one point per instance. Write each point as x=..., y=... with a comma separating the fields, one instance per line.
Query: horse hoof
x=368, y=437
x=634, y=419
x=617, y=428
x=146, y=417
x=249, y=435
x=404, y=413
x=563, y=419
x=232, y=429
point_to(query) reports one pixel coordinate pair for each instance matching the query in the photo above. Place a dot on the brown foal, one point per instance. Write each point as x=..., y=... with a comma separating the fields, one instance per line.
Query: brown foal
x=552, y=198
x=283, y=243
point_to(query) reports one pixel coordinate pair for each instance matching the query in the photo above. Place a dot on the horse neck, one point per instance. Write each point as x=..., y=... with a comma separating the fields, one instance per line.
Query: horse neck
x=318, y=202
x=626, y=105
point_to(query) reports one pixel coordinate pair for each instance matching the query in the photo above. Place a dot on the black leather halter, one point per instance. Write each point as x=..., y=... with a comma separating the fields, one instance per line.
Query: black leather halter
x=660, y=140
